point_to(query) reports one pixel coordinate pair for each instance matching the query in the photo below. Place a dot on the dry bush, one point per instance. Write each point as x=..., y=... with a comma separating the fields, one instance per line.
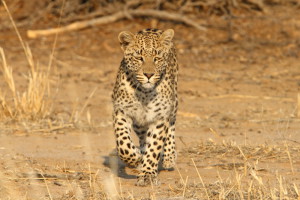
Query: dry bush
x=28, y=13
x=32, y=104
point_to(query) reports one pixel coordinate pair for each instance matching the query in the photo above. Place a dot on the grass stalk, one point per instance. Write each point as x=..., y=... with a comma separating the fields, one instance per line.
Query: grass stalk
x=245, y=161
x=25, y=48
x=206, y=192
x=48, y=190
x=185, y=185
x=55, y=38
x=77, y=115
x=290, y=158
x=298, y=105
x=181, y=178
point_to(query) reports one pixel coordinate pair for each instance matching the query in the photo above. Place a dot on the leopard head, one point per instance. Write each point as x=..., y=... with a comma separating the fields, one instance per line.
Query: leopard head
x=146, y=54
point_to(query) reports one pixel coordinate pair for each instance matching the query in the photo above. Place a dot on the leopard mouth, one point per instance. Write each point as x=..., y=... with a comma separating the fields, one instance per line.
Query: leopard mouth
x=148, y=85
x=148, y=82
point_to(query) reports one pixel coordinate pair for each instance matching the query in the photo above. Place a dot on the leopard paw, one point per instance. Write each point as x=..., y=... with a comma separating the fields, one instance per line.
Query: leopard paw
x=146, y=180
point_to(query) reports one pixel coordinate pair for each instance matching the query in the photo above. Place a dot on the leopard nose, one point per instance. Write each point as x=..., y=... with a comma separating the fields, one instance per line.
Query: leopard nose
x=148, y=75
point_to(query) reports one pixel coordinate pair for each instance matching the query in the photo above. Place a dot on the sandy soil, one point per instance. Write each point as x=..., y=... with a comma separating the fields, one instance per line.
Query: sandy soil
x=237, y=114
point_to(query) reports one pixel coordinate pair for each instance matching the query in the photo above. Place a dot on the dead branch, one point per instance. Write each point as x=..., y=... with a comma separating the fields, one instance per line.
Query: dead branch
x=76, y=25
x=115, y=17
x=167, y=16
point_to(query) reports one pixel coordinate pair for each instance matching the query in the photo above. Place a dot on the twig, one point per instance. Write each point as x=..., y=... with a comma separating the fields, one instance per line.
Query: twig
x=54, y=128
x=167, y=16
x=251, y=97
x=115, y=17
x=43, y=178
x=298, y=105
x=76, y=26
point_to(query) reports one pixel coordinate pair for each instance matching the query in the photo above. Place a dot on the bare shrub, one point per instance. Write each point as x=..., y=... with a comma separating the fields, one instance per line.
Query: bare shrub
x=32, y=104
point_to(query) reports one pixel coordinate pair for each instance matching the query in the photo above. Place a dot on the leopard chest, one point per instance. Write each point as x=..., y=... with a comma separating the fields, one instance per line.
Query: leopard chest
x=150, y=108
x=145, y=108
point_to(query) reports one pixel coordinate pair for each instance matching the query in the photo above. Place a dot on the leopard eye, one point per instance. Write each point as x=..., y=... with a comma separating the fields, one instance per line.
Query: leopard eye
x=140, y=58
x=155, y=59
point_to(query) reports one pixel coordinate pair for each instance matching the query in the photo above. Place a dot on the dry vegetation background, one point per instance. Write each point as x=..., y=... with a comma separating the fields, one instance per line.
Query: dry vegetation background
x=238, y=131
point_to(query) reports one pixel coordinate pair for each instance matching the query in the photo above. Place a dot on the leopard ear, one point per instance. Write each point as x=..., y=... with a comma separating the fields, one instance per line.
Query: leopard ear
x=125, y=37
x=166, y=37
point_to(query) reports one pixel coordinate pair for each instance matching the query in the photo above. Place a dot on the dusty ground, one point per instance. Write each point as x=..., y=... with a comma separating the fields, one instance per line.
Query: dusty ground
x=237, y=121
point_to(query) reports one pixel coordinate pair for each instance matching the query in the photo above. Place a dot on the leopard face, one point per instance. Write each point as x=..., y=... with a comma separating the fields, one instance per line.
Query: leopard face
x=146, y=54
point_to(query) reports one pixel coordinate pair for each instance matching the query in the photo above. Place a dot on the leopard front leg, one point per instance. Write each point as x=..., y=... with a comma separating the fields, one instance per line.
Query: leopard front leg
x=127, y=151
x=155, y=139
x=141, y=133
x=169, y=154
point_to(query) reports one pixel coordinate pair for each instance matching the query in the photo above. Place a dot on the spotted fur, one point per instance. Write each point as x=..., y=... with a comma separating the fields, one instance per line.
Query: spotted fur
x=145, y=102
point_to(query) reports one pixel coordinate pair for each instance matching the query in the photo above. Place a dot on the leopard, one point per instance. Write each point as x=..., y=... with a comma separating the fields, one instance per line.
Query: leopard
x=145, y=102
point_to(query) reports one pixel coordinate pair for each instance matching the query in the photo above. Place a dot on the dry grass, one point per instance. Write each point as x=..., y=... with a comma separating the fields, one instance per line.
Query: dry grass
x=245, y=152
x=241, y=188
x=248, y=175
x=32, y=108
x=243, y=180
x=29, y=109
x=252, y=177
x=31, y=104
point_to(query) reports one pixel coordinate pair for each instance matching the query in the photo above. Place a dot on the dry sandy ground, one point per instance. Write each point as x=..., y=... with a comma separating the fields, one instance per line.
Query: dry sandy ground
x=238, y=130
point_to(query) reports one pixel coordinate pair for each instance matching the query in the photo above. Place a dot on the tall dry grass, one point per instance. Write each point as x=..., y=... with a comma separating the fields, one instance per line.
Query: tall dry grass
x=31, y=104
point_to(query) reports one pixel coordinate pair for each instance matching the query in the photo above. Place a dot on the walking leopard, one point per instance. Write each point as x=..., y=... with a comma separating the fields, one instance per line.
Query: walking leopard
x=145, y=102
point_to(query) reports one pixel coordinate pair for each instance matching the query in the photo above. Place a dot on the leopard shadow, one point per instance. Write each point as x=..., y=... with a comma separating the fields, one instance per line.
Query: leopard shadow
x=117, y=166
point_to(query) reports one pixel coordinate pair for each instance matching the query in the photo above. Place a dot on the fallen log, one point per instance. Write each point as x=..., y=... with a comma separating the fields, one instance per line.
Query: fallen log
x=115, y=17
